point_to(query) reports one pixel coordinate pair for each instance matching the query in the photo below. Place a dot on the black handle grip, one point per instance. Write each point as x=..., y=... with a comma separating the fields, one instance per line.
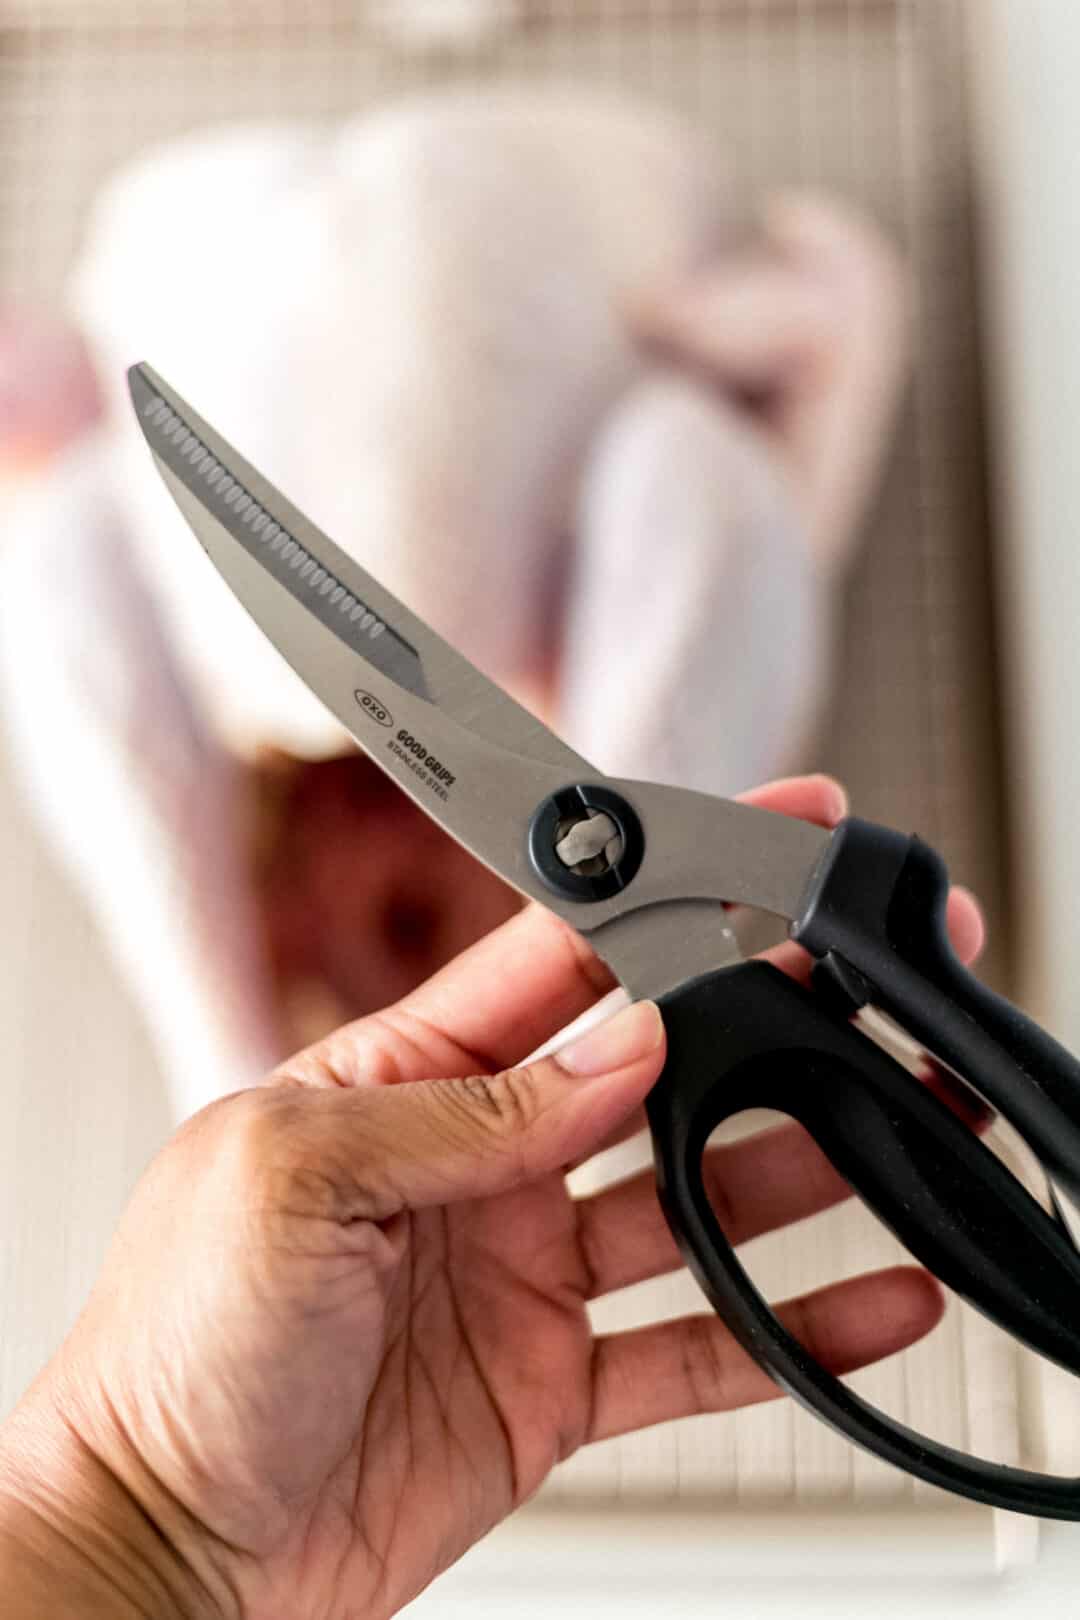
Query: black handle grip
x=877, y=904
x=749, y=1037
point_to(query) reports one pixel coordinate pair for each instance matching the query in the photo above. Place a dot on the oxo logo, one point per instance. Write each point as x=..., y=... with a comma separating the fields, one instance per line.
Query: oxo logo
x=371, y=705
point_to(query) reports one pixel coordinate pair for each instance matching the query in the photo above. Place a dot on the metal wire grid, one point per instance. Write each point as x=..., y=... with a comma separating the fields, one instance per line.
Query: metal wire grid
x=861, y=96
x=858, y=95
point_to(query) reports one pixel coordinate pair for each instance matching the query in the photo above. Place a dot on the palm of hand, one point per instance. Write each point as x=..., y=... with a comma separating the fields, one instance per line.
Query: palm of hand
x=361, y=1294
x=485, y=1377
x=342, y=1408
x=448, y=1391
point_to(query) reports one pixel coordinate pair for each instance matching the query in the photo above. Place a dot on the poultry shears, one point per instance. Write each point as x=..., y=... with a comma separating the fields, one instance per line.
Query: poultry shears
x=646, y=872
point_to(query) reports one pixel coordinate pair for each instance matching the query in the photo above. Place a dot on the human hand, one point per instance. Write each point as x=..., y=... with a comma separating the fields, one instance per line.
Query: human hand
x=342, y=1329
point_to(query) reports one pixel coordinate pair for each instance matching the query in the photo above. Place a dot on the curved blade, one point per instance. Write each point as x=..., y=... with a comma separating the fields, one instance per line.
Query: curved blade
x=470, y=756
x=231, y=496
x=452, y=739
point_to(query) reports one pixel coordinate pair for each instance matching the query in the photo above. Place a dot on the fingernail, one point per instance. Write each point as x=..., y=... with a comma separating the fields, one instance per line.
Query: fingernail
x=632, y=1034
x=839, y=803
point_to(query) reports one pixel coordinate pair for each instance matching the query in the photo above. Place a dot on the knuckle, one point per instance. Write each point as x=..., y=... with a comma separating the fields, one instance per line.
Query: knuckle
x=294, y=1167
x=592, y=1249
x=504, y=1105
x=703, y=1363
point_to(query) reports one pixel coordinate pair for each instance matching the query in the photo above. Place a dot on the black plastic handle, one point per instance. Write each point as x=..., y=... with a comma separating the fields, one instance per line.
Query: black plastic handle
x=877, y=904
x=748, y=1037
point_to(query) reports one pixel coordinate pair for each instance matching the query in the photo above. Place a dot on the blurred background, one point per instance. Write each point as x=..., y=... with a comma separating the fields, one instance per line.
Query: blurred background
x=947, y=704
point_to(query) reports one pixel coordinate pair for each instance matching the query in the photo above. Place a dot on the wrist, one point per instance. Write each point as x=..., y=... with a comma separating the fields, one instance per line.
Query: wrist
x=76, y=1541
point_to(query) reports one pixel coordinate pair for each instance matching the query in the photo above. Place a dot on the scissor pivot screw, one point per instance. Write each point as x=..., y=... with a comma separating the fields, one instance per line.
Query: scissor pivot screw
x=586, y=842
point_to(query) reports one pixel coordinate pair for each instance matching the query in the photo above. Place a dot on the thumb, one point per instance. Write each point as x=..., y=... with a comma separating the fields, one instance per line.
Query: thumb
x=440, y=1141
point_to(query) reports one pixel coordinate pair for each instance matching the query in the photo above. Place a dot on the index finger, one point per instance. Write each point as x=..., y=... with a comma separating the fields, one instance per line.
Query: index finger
x=514, y=989
x=484, y=1011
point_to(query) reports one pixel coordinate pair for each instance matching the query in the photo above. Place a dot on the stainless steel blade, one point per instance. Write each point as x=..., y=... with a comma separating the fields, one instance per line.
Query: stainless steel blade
x=329, y=584
x=470, y=756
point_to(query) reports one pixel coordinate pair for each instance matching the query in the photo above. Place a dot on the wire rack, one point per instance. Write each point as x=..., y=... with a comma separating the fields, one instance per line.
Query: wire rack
x=863, y=96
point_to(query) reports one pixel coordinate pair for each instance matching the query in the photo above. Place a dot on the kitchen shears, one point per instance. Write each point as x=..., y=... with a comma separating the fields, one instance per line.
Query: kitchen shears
x=645, y=872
